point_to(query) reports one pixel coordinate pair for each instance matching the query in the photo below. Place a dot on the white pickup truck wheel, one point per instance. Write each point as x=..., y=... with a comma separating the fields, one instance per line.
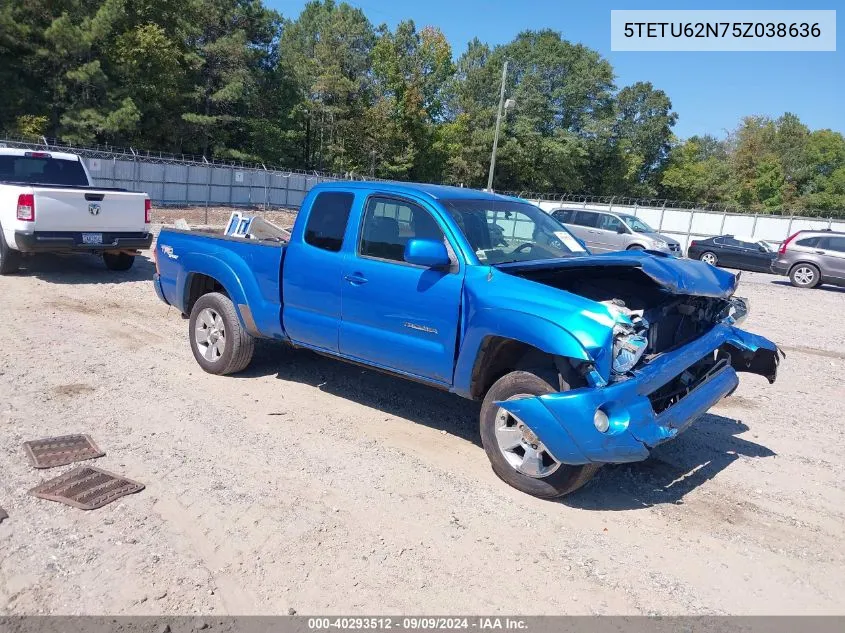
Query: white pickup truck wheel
x=218, y=341
x=518, y=457
x=10, y=259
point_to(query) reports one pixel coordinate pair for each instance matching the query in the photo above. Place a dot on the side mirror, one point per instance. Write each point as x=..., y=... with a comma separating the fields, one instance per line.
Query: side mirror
x=428, y=253
x=763, y=249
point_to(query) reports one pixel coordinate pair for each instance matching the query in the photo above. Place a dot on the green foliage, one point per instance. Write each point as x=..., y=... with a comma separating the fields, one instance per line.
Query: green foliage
x=329, y=90
x=765, y=165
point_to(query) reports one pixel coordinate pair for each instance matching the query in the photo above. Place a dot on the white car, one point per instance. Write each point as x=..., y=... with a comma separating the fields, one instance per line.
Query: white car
x=47, y=204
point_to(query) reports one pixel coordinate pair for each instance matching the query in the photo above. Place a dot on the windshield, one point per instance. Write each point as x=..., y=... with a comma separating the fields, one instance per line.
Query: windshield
x=42, y=170
x=504, y=231
x=637, y=225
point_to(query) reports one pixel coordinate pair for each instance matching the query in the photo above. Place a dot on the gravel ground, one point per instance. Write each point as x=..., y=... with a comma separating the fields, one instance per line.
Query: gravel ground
x=309, y=484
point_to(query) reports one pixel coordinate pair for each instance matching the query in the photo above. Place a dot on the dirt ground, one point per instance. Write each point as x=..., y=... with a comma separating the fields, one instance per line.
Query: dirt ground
x=312, y=485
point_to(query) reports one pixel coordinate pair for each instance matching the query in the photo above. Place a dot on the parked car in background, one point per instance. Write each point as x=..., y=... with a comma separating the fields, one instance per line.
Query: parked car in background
x=48, y=204
x=810, y=258
x=578, y=360
x=606, y=232
x=730, y=251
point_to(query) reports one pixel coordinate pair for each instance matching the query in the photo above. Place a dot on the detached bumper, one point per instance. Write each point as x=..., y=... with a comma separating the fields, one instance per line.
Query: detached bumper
x=564, y=421
x=63, y=241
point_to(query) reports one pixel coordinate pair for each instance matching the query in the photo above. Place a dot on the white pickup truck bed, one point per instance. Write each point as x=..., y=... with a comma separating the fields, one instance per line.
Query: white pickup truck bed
x=47, y=204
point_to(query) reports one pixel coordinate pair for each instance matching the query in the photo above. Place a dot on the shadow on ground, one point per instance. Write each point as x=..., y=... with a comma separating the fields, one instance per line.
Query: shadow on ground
x=675, y=468
x=829, y=288
x=83, y=268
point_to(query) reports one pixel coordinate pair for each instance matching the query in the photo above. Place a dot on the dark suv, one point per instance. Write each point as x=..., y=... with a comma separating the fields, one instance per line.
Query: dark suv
x=811, y=258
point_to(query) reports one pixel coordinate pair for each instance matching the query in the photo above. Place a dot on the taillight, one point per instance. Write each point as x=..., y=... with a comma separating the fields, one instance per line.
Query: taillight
x=786, y=242
x=693, y=243
x=148, y=208
x=26, y=207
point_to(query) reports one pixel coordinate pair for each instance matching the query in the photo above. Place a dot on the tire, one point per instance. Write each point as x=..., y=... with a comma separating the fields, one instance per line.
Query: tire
x=237, y=345
x=564, y=478
x=635, y=247
x=804, y=276
x=10, y=259
x=118, y=261
x=709, y=257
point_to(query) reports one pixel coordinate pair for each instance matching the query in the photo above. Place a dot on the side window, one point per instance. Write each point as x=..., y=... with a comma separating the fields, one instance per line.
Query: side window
x=719, y=241
x=747, y=245
x=586, y=218
x=389, y=224
x=328, y=219
x=729, y=241
x=809, y=242
x=610, y=222
x=563, y=215
x=835, y=244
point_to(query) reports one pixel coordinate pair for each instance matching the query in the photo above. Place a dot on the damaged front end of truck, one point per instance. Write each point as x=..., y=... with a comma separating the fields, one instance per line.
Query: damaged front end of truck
x=660, y=347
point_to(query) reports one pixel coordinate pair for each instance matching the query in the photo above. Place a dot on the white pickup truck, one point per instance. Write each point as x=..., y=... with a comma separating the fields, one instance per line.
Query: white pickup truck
x=47, y=204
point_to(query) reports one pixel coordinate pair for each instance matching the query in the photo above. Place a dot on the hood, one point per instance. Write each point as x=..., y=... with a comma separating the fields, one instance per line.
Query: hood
x=672, y=274
x=663, y=238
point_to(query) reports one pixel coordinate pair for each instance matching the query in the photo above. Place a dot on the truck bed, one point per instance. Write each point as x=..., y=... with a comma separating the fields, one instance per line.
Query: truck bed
x=247, y=270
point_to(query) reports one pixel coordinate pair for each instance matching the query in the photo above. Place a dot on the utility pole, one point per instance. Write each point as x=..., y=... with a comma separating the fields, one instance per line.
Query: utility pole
x=498, y=123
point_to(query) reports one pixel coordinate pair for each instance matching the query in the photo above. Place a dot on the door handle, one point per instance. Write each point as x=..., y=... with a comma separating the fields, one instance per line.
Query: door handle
x=821, y=252
x=356, y=279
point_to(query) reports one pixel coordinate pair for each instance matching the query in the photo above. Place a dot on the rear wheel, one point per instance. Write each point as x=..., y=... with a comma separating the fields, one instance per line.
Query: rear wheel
x=10, y=259
x=218, y=341
x=118, y=261
x=804, y=276
x=518, y=457
x=635, y=247
x=709, y=257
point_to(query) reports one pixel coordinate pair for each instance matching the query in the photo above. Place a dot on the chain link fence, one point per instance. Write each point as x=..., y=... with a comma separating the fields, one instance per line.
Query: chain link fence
x=188, y=180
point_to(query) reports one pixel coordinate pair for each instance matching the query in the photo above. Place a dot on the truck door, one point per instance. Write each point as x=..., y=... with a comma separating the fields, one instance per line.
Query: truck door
x=397, y=315
x=312, y=273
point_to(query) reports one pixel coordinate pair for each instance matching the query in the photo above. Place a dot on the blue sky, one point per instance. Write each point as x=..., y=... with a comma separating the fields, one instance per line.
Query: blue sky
x=709, y=91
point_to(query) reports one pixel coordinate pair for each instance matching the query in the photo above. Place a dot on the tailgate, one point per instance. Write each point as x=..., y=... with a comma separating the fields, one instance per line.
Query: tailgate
x=88, y=210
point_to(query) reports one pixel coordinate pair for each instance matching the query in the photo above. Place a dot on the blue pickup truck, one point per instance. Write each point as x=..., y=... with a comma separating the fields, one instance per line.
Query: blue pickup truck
x=579, y=360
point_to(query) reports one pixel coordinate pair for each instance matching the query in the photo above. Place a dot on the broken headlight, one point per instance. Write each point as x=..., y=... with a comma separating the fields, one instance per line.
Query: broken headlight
x=629, y=345
x=735, y=311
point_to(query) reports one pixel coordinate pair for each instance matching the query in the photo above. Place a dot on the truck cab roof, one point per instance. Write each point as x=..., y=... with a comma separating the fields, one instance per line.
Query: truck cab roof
x=14, y=151
x=435, y=192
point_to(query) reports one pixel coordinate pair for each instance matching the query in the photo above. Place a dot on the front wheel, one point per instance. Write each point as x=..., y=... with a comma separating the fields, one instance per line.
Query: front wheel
x=219, y=342
x=118, y=261
x=518, y=457
x=709, y=257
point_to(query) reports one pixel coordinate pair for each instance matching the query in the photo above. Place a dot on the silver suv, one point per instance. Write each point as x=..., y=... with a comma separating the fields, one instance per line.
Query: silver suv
x=605, y=231
x=811, y=258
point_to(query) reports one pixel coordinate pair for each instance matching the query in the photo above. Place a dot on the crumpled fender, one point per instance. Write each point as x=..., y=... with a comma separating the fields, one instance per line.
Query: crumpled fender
x=564, y=421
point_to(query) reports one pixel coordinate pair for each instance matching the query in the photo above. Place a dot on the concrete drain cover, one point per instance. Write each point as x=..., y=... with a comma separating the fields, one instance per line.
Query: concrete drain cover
x=86, y=487
x=59, y=451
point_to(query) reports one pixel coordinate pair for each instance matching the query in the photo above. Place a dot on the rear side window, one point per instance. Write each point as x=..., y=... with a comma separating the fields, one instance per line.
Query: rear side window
x=609, y=222
x=328, y=219
x=808, y=241
x=563, y=215
x=42, y=170
x=835, y=244
x=586, y=218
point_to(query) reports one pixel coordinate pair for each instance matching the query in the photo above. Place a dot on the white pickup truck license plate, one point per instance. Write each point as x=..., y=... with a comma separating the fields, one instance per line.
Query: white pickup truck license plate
x=92, y=238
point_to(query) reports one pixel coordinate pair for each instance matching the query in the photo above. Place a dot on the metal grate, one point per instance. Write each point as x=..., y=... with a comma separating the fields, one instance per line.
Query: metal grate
x=86, y=488
x=59, y=451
